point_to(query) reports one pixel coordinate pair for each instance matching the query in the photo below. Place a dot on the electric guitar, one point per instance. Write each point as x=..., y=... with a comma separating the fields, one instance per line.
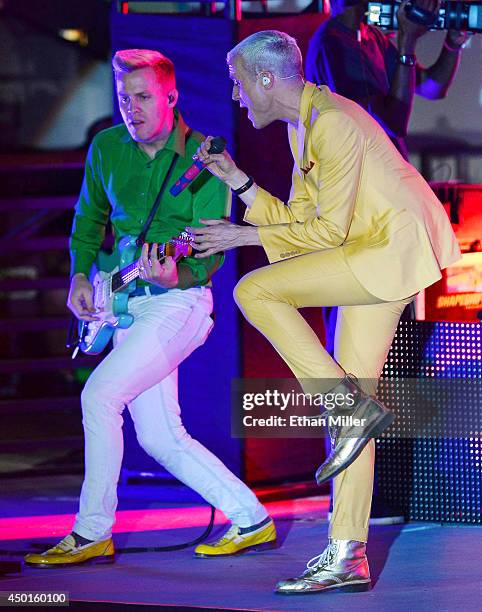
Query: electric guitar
x=113, y=280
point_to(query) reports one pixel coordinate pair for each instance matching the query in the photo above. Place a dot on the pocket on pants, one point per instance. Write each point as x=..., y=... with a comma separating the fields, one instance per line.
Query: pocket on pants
x=195, y=331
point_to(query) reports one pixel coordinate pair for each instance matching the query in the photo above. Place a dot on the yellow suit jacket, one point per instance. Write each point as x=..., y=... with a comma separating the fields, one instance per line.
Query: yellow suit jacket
x=351, y=188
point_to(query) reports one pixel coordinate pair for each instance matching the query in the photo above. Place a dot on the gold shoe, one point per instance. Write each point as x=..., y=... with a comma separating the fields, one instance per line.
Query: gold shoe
x=355, y=426
x=233, y=542
x=343, y=565
x=67, y=552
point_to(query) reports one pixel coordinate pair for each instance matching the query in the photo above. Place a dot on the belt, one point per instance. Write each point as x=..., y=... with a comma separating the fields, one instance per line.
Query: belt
x=148, y=290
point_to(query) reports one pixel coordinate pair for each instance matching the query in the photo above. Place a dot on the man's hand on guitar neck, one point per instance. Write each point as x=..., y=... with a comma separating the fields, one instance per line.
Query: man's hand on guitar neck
x=80, y=297
x=153, y=271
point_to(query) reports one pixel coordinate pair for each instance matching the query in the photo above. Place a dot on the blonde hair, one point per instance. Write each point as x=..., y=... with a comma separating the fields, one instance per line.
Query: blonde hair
x=129, y=60
x=269, y=50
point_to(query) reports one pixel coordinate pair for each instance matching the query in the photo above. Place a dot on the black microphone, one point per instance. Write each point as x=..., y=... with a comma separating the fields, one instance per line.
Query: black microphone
x=217, y=145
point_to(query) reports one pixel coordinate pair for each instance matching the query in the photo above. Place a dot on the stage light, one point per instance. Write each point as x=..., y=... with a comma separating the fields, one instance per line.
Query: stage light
x=75, y=35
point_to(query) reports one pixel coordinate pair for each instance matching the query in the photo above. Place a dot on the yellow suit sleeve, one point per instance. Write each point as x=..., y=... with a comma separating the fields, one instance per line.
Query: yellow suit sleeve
x=339, y=144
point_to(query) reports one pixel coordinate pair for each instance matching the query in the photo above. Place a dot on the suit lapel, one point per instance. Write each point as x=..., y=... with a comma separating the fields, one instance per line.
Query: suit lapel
x=308, y=114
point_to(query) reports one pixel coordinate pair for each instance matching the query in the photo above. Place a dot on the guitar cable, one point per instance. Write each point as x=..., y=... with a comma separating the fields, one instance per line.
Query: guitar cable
x=172, y=547
x=130, y=549
x=73, y=340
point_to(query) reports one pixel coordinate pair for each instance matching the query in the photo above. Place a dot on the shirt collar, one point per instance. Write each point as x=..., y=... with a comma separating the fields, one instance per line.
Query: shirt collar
x=177, y=138
x=307, y=103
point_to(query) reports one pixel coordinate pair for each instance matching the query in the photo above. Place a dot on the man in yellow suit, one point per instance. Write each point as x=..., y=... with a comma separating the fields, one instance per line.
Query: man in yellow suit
x=363, y=231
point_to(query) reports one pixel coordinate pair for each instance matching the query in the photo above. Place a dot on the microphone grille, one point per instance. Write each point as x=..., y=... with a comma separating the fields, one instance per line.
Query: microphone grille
x=217, y=145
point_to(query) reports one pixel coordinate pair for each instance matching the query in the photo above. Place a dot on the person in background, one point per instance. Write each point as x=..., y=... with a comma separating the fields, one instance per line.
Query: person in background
x=360, y=62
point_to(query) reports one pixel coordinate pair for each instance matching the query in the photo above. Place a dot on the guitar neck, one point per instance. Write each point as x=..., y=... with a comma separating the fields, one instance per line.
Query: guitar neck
x=125, y=276
x=128, y=274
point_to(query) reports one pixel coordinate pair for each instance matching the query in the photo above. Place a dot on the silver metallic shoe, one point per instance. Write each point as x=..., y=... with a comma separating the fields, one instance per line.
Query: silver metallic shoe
x=352, y=427
x=343, y=565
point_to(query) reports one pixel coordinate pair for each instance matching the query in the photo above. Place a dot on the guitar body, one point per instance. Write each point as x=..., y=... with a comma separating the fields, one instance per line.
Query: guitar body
x=113, y=307
x=114, y=279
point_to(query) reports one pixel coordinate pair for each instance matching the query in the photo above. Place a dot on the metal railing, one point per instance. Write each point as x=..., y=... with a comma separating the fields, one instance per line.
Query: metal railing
x=232, y=9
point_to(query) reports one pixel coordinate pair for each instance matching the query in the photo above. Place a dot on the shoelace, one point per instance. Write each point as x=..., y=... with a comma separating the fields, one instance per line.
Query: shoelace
x=67, y=544
x=333, y=430
x=325, y=558
x=232, y=531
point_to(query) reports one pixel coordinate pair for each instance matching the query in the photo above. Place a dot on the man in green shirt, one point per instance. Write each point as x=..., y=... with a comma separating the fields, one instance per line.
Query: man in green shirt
x=171, y=306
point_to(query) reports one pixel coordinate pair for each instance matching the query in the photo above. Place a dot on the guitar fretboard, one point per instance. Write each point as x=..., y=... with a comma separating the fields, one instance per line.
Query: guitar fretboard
x=125, y=276
x=131, y=272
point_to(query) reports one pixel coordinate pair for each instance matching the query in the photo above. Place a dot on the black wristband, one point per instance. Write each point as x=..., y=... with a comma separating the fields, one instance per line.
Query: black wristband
x=407, y=59
x=249, y=183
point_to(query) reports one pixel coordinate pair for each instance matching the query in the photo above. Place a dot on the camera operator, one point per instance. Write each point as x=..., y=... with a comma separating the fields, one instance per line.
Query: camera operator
x=360, y=62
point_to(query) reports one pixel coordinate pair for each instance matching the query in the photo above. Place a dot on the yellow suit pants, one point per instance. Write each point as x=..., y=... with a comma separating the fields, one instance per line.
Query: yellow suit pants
x=269, y=299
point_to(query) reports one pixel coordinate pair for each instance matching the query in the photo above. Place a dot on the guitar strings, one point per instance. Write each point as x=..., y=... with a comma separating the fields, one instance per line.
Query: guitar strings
x=130, y=272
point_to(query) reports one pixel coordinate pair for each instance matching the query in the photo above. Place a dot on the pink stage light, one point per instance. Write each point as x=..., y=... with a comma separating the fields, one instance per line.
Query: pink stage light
x=58, y=525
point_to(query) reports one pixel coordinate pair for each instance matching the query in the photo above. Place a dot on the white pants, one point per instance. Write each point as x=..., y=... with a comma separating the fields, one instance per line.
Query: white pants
x=141, y=372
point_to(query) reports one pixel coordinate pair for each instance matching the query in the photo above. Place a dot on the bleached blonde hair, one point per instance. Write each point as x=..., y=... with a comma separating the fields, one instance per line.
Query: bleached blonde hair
x=270, y=50
x=129, y=60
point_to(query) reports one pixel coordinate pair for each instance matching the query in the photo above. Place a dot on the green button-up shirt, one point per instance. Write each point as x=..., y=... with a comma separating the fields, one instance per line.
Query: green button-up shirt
x=121, y=182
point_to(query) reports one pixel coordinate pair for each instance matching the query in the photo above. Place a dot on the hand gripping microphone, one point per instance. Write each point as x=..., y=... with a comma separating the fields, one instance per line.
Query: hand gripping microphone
x=217, y=145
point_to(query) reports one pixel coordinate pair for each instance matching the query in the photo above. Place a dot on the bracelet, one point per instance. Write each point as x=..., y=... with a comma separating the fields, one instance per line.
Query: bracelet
x=453, y=49
x=249, y=183
x=407, y=59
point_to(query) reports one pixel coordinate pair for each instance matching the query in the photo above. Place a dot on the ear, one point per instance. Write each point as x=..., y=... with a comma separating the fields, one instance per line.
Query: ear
x=267, y=79
x=172, y=98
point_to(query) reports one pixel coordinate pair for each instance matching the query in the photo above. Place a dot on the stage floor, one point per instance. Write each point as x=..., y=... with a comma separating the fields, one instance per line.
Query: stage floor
x=415, y=567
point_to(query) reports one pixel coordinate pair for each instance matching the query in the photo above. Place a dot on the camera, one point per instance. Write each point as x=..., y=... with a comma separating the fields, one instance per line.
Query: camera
x=451, y=15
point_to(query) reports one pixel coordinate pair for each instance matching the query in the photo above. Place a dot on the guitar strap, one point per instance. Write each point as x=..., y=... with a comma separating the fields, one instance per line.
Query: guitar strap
x=142, y=236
